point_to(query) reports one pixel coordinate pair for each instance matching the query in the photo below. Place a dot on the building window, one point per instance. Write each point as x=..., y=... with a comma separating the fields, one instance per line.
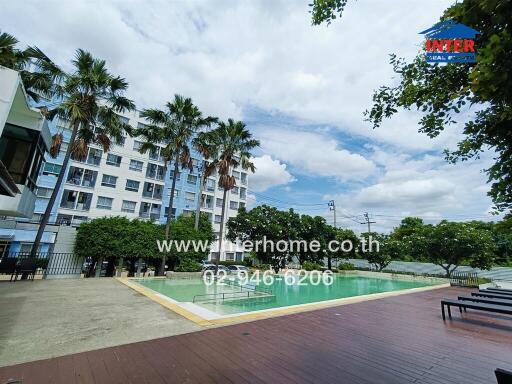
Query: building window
x=51, y=169
x=94, y=157
x=128, y=206
x=155, y=171
x=243, y=193
x=236, y=175
x=207, y=202
x=233, y=205
x=136, y=165
x=82, y=177
x=114, y=160
x=132, y=185
x=242, y=205
x=137, y=145
x=149, y=211
x=192, y=179
x=210, y=185
x=76, y=200
x=219, y=202
x=22, y=152
x=104, y=202
x=166, y=212
x=234, y=190
x=154, y=154
x=230, y=256
x=190, y=197
x=218, y=219
x=244, y=178
x=109, y=181
x=142, y=126
x=44, y=192
x=152, y=191
x=239, y=256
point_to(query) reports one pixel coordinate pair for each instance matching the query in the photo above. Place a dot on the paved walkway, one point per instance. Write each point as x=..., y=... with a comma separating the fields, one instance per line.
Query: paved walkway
x=41, y=319
x=400, y=339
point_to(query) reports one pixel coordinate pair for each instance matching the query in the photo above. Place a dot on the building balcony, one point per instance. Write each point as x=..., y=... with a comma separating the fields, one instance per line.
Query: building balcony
x=19, y=205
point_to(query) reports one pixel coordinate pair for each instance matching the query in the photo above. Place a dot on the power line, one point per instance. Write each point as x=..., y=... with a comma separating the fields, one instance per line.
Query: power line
x=368, y=222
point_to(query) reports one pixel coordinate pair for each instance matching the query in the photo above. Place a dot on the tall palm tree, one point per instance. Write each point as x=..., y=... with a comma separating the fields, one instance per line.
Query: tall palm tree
x=38, y=73
x=200, y=143
x=228, y=147
x=174, y=127
x=91, y=100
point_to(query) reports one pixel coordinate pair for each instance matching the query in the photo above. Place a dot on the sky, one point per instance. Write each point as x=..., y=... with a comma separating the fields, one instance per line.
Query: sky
x=301, y=90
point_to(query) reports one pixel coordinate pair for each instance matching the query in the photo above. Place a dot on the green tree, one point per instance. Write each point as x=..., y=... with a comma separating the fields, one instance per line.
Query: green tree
x=378, y=249
x=40, y=80
x=264, y=222
x=325, y=11
x=349, y=235
x=91, y=100
x=114, y=237
x=175, y=127
x=478, y=96
x=315, y=228
x=182, y=229
x=228, y=146
x=451, y=244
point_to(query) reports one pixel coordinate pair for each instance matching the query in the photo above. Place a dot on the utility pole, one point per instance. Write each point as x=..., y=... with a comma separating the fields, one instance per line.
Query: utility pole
x=332, y=207
x=367, y=221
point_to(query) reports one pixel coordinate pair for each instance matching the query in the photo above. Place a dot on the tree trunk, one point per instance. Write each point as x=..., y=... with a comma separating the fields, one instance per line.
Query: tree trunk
x=161, y=271
x=200, y=200
x=139, y=267
x=53, y=197
x=221, y=228
x=329, y=263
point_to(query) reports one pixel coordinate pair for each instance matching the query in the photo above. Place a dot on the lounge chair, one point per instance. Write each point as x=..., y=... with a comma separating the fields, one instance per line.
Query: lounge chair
x=26, y=267
x=491, y=294
x=487, y=300
x=8, y=266
x=496, y=308
x=498, y=290
x=503, y=377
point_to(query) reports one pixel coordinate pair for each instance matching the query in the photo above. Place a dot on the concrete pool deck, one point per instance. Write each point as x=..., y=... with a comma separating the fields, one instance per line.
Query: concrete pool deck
x=49, y=318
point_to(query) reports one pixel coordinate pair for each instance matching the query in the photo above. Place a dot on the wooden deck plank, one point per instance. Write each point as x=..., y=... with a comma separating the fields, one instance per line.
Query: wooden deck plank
x=400, y=339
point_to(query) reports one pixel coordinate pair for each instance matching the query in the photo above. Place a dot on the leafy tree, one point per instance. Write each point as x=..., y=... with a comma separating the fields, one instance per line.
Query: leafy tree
x=39, y=81
x=326, y=10
x=502, y=233
x=228, y=147
x=346, y=235
x=114, y=237
x=175, y=127
x=182, y=229
x=91, y=100
x=264, y=222
x=447, y=94
x=315, y=228
x=450, y=244
x=378, y=249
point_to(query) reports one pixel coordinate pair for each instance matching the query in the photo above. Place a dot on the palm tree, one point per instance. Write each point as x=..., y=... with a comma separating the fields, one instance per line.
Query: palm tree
x=37, y=82
x=91, y=100
x=228, y=147
x=174, y=127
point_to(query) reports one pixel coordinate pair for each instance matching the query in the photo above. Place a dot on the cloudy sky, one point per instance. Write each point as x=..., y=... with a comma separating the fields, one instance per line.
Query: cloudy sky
x=300, y=89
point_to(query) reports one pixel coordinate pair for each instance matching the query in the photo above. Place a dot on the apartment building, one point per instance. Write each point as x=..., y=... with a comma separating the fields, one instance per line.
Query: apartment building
x=127, y=183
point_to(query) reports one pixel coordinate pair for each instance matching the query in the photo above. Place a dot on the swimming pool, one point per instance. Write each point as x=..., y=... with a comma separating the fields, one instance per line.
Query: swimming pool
x=278, y=293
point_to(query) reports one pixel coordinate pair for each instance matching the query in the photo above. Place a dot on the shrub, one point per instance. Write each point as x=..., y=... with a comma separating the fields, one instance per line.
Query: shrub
x=311, y=266
x=346, y=267
x=188, y=265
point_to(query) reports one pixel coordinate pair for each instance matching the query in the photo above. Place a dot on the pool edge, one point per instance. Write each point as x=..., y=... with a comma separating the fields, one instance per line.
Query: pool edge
x=267, y=313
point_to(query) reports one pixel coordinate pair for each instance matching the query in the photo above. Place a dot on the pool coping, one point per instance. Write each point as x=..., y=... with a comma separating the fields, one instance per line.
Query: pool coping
x=206, y=318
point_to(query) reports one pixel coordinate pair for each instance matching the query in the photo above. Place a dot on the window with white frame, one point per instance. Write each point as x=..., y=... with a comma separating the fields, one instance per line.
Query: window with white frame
x=137, y=145
x=233, y=204
x=132, y=185
x=190, y=197
x=109, y=181
x=44, y=192
x=218, y=218
x=114, y=160
x=128, y=206
x=104, y=202
x=219, y=202
x=136, y=165
x=192, y=179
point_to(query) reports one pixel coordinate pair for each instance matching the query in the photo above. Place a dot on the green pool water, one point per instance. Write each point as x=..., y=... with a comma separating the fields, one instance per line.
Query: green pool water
x=282, y=294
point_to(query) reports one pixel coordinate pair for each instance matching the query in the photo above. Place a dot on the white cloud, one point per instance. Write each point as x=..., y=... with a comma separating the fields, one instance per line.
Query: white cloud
x=269, y=173
x=314, y=153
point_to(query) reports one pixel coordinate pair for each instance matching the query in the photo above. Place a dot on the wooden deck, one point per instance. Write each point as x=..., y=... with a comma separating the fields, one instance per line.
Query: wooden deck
x=395, y=340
